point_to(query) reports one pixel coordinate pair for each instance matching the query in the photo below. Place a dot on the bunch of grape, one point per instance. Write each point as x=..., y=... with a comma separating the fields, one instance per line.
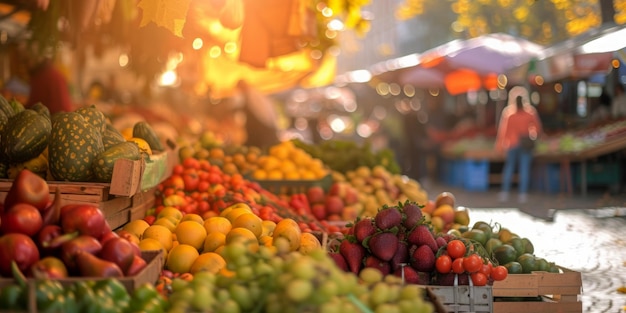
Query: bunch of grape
x=275, y=279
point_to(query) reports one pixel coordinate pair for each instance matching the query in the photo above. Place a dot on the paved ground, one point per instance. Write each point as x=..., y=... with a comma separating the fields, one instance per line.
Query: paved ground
x=582, y=233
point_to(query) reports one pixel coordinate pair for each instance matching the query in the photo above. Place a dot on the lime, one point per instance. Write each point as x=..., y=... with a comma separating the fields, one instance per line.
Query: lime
x=514, y=268
x=528, y=262
x=505, y=254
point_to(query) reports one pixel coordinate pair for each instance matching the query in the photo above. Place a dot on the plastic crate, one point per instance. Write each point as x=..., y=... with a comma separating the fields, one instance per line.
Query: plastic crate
x=604, y=173
x=475, y=175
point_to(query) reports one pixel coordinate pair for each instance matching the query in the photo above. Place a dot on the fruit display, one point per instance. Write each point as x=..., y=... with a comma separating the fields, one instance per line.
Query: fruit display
x=48, y=239
x=275, y=279
x=343, y=156
x=375, y=187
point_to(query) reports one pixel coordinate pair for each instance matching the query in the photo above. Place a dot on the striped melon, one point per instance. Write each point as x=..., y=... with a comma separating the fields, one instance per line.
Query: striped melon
x=104, y=162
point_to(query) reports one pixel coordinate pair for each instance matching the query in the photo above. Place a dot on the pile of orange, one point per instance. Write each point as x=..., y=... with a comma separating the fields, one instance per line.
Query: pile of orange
x=285, y=161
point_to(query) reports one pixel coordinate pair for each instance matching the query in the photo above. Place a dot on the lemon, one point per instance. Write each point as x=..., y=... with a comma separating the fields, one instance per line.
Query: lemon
x=136, y=227
x=191, y=233
x=143, y=145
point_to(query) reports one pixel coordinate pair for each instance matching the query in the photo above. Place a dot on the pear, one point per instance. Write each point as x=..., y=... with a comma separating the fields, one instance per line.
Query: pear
x=90, y=265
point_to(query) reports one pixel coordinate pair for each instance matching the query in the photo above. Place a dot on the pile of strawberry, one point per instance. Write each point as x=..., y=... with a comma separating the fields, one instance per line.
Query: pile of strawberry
x=398, y=241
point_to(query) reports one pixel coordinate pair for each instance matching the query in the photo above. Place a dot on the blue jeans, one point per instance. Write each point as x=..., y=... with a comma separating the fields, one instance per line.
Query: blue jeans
x=522, y=159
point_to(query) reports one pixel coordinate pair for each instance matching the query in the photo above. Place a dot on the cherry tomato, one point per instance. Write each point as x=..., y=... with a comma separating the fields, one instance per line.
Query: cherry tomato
x=456, y=248
x=499, y=273
x=478, y=279
x=457, y=266
x=443, y=264
x=472, y=263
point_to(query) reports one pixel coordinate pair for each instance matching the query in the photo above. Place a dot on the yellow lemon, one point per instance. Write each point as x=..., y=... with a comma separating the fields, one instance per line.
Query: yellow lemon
x=268, y=227
x=150, y=244
x=193, y=217
x=217, y=224
x=250, y=222
x=209, y=262
x=181, y=258
x=235, y=213
x=213, y=241
x=172, y=213
x=136, y=227
x=161, y=234
x=143, y=145
x=166, y=222
x=191, y=233
x=245, y=235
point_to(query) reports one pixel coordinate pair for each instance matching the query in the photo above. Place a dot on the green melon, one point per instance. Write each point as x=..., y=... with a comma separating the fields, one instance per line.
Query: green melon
x=103, y=164
x=111, y=136
x=74, y=144
x=24, y=136
x=93, y=116
x=144, y=131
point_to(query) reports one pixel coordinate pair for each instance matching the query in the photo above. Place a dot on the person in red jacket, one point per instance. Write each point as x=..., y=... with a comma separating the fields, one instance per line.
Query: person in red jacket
x=49, y=86
x=518, y=119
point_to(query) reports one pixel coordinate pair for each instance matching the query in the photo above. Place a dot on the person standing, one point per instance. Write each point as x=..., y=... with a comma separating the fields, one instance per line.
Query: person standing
x=618, y=106
x=518, y=120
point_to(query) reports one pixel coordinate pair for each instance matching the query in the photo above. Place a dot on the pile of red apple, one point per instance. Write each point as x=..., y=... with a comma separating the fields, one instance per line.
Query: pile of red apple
x=48, y=239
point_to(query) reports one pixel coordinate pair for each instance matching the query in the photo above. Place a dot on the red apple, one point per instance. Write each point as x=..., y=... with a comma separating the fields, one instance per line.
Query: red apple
x=337, y=189
x=21, y=218
x=136, y=266
x=119, y=251
x=29, y=188
x=315, y=194
x=20, y=248
x=334, y=205
x=352, y=196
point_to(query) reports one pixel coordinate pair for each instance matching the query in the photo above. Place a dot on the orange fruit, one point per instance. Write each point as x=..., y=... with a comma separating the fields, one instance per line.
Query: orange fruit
x=136, y=227
x=191, y=233
x=245, y=235
x=209, y=261
x=259, y=174
x=233, y=214
x=181, y=258
x=160, y=233
x=192, y=217
x=150, y=244
x=250, y=222
x=216, y=153
x=166, y=222
x=213, y=241
x=217, y=224
x=172, y=213
x=143, y=145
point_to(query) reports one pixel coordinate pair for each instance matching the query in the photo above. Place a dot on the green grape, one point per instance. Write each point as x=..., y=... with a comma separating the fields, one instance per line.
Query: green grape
x=370, y=275
x=387, y=308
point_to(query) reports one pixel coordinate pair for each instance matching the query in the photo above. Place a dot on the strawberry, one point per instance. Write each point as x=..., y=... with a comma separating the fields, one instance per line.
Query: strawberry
x=388, y=217
x=363, y=229
x=383, y=245
x=413, y=215
x=422, y=235
x=441, y=242
x=339, y=260
x=423, y=259
x=382, y=266
x=354, y=253
x=401, y=256
x=411, y=276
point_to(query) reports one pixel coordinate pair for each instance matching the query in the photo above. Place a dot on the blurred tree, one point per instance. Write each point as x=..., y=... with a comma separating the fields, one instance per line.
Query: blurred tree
x=542, y=21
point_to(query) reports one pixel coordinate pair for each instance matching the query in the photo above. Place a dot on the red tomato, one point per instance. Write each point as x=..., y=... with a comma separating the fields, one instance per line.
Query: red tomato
x=457, y=266
x=191, y=162
x=203, y=186
x=456, y=248
x=478, y=279
x=178, y=169
x=443, y=264
x=499, y=273
x=472, y=263
x=486, y=269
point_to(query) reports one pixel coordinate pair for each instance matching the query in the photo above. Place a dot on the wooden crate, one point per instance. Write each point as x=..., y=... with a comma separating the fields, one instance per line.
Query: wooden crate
x=540, y=292
x=464, y=299
x=150, y=274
